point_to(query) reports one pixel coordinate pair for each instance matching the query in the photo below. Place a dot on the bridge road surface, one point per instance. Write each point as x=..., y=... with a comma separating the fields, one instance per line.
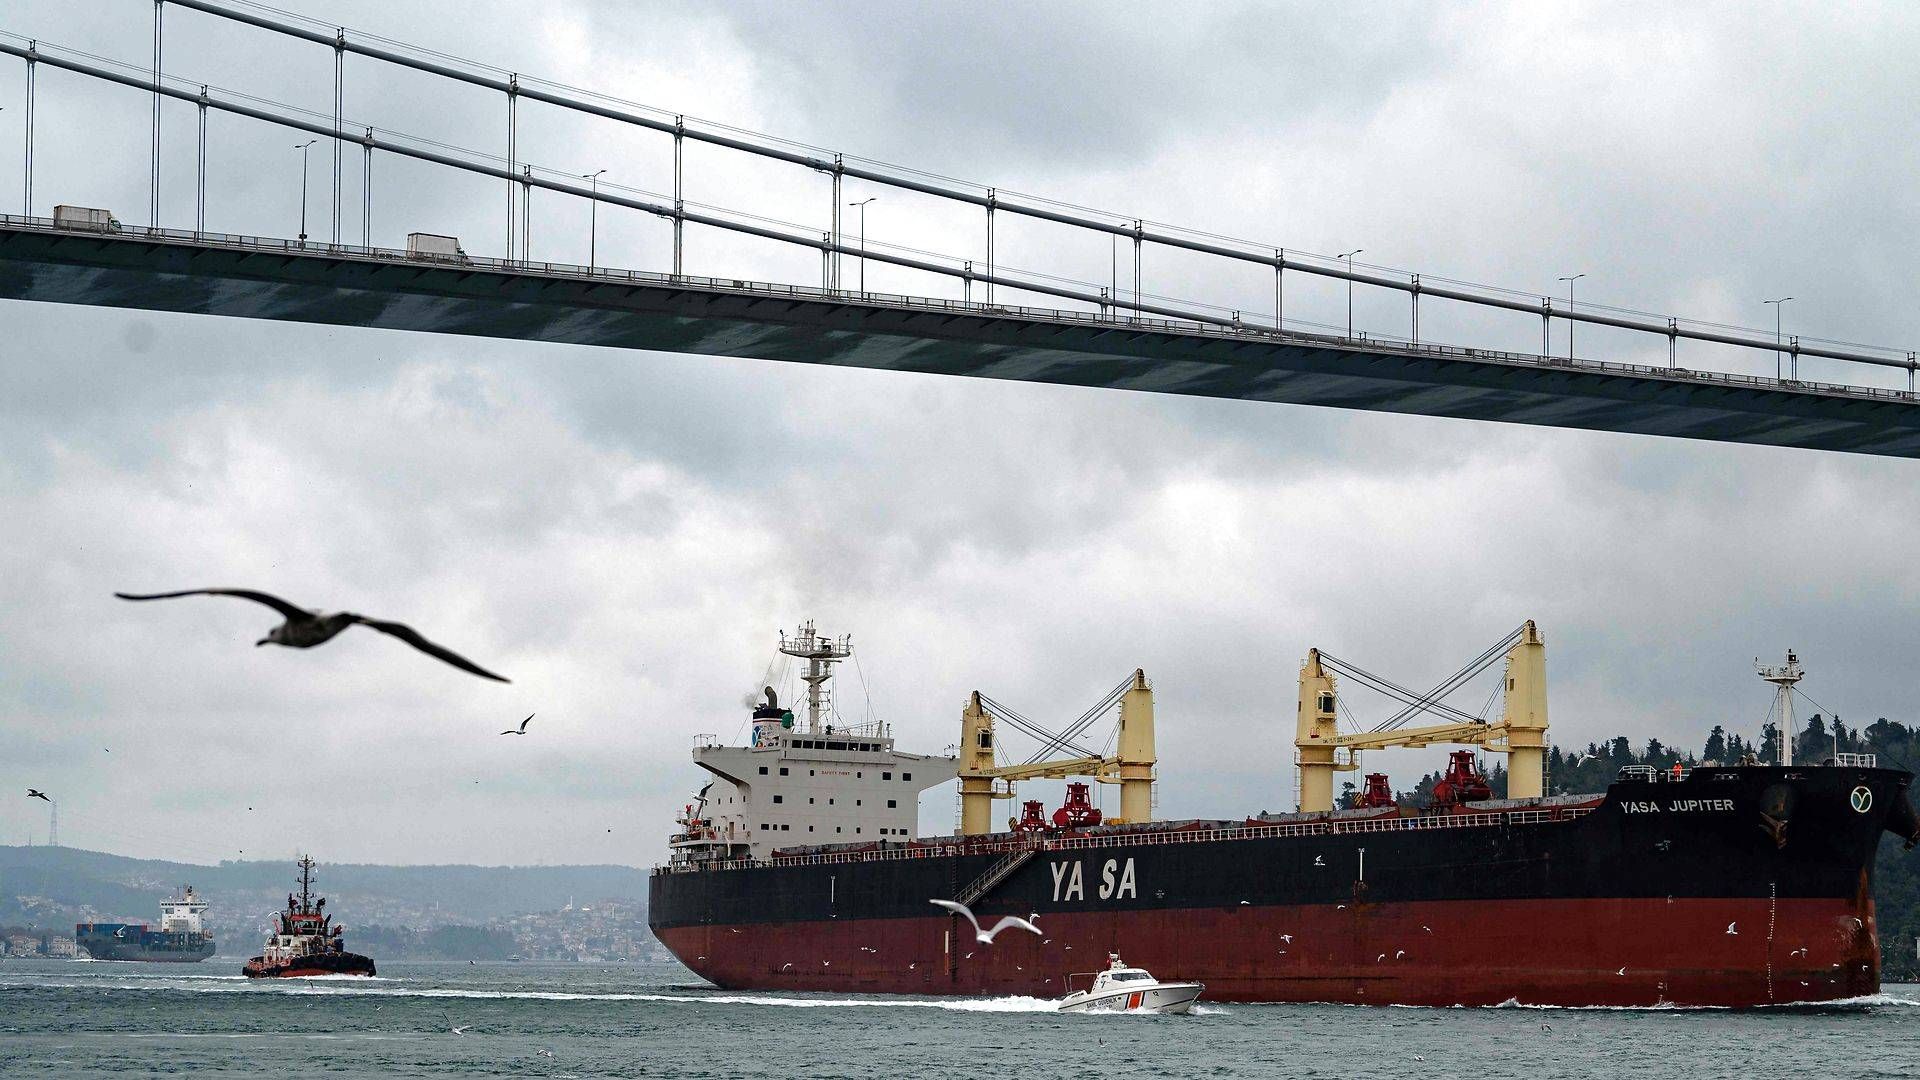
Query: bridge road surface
x=278, y=279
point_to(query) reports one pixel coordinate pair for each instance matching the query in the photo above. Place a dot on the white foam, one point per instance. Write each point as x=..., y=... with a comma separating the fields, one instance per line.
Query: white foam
x=1863, y=1001
x=357, y=986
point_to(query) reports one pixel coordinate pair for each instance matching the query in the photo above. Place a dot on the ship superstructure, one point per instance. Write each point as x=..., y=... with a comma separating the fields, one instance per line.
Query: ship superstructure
x=807, y=778
x=1725, y=884
x=305, y=940
x=181, y=938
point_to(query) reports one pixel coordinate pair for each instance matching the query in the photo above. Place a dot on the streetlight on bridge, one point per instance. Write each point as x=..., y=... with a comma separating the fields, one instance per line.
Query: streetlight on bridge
x=862, y=204
x=593, y=213
x=1570, y=281
x=303, y=188
x=1349, y=257
x=1777, y=304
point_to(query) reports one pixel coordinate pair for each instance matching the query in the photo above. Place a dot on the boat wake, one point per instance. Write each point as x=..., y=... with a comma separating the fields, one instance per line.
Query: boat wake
x=358, y=986
x=1001, y=1004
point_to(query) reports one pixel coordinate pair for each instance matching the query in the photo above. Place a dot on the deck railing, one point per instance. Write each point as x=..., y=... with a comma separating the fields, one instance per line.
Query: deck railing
x=1150, y=839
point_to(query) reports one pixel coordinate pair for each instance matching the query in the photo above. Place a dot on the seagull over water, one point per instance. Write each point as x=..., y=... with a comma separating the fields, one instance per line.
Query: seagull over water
x=985, y=937
x=522, y=730
x=304, y=629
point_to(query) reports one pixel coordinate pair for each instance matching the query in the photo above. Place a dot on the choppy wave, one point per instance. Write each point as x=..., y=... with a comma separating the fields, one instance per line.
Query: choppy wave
x=1865, y=1001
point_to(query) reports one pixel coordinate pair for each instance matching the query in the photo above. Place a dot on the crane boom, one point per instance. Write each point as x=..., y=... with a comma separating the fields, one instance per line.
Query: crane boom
x=1520, y=733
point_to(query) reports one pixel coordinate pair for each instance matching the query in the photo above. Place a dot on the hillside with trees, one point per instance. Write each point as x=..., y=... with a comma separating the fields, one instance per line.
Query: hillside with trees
x=415, y=910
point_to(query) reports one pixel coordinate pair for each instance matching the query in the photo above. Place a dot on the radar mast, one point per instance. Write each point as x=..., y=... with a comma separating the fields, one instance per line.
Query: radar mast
x=1783, y=677
x=821, y=653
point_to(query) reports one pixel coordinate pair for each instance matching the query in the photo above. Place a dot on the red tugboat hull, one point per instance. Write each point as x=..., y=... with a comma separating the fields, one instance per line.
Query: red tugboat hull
x=327, y=964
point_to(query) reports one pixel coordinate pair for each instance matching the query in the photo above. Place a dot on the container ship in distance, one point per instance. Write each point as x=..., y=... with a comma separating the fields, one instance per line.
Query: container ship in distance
x=304, y=940
x=181, y=939
x=800, y=867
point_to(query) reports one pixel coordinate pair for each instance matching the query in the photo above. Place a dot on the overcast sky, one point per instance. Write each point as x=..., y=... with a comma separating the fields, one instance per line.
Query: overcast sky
x=623, y=533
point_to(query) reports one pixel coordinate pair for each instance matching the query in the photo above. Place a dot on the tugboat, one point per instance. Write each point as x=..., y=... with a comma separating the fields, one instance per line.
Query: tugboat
x=1130, y=989
x=304, y=941
x=181, y=939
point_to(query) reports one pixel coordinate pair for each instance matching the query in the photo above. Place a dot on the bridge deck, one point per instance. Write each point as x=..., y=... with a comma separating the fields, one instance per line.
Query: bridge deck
x=161, y=270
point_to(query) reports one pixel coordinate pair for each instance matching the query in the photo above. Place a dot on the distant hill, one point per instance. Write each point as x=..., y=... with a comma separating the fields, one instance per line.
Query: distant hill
x=56, y=887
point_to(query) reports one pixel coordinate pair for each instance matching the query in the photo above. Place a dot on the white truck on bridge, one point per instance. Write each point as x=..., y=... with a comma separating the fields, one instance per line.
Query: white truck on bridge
x=434, y=246
x=84, y=217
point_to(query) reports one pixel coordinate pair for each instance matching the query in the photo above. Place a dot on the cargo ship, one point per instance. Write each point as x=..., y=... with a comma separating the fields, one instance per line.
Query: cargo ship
x=304, y=941
x=799, y=867
x=181, y=938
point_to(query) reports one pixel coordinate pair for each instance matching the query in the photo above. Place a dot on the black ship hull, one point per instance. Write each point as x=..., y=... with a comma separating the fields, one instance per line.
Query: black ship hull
x=122, y=941
x=1735, y=886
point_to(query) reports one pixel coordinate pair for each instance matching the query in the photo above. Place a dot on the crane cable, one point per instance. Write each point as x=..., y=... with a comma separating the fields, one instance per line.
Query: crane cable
x=1085, y=721
x=1416, y=703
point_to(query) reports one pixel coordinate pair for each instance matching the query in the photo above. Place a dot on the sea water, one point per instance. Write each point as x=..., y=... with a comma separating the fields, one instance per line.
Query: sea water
x=63, y=1018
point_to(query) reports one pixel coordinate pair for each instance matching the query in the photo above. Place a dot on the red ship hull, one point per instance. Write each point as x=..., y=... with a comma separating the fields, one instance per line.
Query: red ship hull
x=1587, y=952
x=326, y=964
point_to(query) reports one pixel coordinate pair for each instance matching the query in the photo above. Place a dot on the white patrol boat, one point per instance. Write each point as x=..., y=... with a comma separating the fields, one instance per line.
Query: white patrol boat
x=1130, y=989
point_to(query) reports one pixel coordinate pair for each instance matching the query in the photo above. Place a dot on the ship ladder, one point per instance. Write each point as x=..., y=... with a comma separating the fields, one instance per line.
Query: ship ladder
x=997, y=873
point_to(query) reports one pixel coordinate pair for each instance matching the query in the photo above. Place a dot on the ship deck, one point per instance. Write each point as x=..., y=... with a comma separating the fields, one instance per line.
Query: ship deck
x=1193, y=832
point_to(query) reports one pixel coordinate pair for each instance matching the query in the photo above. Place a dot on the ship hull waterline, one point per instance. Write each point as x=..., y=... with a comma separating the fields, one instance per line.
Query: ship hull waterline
x=1530, y=952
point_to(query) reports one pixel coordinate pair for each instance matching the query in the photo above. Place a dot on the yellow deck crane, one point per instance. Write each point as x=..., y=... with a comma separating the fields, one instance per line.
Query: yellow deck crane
x=1520, y=733
x=982, y=780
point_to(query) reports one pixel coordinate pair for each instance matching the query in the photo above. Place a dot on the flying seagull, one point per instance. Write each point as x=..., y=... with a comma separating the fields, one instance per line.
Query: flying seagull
x=1731, y=930
x=33, y=793
x=304, y=629
x=522, y=730
x=986, y=936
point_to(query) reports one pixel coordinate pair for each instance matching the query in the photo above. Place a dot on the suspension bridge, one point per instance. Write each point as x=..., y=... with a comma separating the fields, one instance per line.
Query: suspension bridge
x=1036, y=324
